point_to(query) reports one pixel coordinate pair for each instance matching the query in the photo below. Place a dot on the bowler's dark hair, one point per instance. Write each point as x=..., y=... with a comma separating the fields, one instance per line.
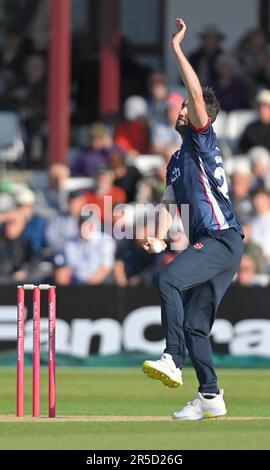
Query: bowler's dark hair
x=211, y=103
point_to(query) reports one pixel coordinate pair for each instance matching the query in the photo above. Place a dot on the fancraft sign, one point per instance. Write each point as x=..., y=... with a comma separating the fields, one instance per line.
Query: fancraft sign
x=109, y=320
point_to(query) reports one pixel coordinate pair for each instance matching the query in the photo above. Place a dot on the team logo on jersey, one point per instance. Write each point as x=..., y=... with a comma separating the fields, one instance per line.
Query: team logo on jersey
x=198, y=246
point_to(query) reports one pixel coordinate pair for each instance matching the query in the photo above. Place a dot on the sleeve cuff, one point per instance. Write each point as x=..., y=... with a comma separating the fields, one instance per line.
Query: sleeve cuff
x=199, y=129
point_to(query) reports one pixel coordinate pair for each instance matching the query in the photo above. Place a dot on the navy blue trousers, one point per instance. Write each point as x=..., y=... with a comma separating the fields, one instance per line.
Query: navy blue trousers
x=191, y=288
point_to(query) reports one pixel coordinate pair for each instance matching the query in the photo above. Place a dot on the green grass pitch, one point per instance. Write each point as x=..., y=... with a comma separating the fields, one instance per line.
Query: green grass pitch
x=123, y=409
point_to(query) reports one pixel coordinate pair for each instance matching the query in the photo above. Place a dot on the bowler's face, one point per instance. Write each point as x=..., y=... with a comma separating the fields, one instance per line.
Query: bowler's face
x=182, y=118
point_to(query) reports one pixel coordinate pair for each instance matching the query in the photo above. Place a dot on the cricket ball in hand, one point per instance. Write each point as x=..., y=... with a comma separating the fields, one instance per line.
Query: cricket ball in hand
x=156, y=246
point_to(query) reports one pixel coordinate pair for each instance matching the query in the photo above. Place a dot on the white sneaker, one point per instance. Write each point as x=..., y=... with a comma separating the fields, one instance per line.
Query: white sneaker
x=201, y=408
x=165, y=370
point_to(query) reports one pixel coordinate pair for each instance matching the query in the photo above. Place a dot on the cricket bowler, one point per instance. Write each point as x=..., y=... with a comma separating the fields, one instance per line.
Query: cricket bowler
x=193, y=284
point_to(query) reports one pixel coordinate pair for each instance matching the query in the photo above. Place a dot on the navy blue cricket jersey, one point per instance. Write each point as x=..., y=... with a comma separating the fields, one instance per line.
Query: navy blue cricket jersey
x=197, y=176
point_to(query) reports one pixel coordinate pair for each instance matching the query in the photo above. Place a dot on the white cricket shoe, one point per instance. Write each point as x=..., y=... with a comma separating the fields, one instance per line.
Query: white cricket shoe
x=201, y=408
x=165, y=370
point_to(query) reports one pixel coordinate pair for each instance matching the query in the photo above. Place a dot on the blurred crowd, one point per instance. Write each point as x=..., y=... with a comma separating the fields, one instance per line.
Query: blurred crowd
x=40, y=209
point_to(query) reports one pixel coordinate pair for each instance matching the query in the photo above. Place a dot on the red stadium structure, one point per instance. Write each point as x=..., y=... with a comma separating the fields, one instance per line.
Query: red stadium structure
x=59, y=81
x=60, y=72
x=109, y=90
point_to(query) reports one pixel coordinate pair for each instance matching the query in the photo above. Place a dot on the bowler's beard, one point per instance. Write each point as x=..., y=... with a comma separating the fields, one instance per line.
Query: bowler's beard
x=180, y=128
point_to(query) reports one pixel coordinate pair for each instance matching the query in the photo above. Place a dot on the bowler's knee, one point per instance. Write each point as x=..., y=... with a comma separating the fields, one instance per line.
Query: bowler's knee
x=162, y=280
x=193, y=329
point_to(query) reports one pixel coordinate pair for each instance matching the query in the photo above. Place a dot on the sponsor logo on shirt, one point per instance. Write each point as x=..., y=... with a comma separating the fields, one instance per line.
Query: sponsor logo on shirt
x=198, y=246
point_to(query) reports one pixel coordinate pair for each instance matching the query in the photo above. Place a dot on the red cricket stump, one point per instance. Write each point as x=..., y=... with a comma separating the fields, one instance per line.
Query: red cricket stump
x=36, y=353
x=36, y=348
x=20, y=351
x=51, y=353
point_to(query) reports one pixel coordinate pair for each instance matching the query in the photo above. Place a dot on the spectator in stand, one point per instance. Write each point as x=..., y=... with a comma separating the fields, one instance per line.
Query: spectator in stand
x=247, y=271
x=86, y=260
x=105, y=187
x=254, y=250
x=37, y=22
x=263, y=76
x=258, y=132
x=56, y=196
x=165, y=140
x=203, y=59
x=231, y=91
x=241, y=182
x=261, y=222
x=11, y=57
x=53, y=197
x=250, y=53
x=133, y=133
x=64, y=226
x=132, y=266
x=157, y=99
x=260, y=160
x=149, y=190
x=29, y=96
x=35, y=229
x=7, y=203
x=126, y=176
x=89, y=160
x=17, y=257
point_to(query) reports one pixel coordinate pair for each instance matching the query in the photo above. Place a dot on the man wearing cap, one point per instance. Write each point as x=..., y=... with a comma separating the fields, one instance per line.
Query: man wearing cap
x=203, y=59
x=193, y=284
x=258, y=132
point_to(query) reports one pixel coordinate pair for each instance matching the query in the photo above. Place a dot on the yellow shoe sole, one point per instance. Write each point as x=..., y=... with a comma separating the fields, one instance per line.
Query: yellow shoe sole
x=208, y=415
x=153, y=373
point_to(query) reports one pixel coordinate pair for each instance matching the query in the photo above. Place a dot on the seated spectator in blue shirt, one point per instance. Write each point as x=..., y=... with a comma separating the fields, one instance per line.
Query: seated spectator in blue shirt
x=64, y=226
x=88, y=258
x=35, y=228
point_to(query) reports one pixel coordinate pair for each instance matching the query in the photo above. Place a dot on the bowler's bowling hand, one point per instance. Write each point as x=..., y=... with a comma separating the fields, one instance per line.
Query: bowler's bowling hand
x=154, y=245
x=178, y=37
